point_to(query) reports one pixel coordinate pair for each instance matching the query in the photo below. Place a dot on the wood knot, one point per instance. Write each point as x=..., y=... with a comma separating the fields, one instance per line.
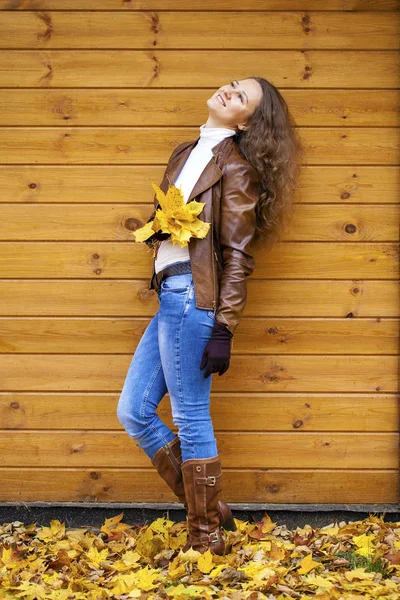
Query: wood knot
x=78, y=449
x=273, y=488
x=350, y=228
x=145, y=294
x=132, y=224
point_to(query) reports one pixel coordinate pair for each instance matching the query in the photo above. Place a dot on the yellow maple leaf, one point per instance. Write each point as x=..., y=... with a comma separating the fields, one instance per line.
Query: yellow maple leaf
x=187, y=591
x=175, y=217
x=191, y=555
x=321, y=582
x=144, y=232
x=205, y=562
x=56, y=530
x=161, y=525
x=307, y=564
x=95, y=557
x=359, y=573
x=364, y=544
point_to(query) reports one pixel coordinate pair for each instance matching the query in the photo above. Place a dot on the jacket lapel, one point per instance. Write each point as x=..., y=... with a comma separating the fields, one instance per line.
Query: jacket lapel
x=209, y=176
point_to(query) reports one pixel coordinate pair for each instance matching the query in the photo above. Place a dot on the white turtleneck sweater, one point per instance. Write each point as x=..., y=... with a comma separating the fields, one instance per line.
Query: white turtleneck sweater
x=169, y=253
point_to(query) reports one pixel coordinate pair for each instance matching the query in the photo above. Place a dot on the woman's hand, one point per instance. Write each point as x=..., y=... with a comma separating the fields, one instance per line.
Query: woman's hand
x=217, y=353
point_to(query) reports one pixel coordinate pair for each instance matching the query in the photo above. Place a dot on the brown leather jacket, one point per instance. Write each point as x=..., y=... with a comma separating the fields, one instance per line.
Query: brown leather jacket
x=221, y=261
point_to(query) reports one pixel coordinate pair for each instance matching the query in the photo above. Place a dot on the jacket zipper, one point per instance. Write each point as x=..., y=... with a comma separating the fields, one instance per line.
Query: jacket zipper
x=214, y=303
x=217, y=259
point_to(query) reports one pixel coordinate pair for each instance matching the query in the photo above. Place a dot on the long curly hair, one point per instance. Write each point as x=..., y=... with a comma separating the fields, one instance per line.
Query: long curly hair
x=273, y=147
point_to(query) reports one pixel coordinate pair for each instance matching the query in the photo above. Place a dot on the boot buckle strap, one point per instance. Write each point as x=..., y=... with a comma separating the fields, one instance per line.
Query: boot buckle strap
x=211, y=480
x=214, y=537
x=208, y=538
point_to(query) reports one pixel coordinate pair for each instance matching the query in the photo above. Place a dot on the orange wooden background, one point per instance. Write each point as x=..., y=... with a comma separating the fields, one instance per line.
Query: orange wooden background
x=93, y=99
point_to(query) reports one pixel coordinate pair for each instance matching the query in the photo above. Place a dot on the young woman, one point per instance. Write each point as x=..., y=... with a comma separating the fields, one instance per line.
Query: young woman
x=244, y=167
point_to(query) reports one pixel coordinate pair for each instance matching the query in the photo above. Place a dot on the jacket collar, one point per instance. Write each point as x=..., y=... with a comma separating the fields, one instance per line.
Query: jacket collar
x=211, y=174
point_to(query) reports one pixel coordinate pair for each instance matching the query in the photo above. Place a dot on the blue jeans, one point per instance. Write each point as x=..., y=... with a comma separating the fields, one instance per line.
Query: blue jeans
x=168, y=358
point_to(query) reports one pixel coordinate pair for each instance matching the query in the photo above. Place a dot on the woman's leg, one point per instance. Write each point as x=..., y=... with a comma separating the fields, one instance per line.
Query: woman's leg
x=142, y=392
x=183, y=332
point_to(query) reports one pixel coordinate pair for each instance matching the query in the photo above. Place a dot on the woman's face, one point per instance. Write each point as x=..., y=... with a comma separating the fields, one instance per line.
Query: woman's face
x=233, y=103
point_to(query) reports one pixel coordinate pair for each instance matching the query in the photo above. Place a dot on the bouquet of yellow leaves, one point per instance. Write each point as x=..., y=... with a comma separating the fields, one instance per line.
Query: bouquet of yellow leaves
x=175, y=217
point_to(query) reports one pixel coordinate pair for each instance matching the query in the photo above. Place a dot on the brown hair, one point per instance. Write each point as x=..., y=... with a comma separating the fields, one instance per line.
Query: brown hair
x=273, y=147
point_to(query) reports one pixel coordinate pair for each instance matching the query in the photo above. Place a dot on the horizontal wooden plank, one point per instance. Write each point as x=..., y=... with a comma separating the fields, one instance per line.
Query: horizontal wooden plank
x=245, y=450
x=273, y=373
x=196, y=68
x=281, y=298
x=252, y=336
x=274, y=412
x=323, y=145
x=170, y=107
x=114, y=260
x=131, y=184
x=250, y=485
x=218, y=29
x=162, y=5
x=115, y=222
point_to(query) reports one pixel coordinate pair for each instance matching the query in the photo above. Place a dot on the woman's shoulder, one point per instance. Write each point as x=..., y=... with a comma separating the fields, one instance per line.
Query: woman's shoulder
x=180, y=147
x=235, y=163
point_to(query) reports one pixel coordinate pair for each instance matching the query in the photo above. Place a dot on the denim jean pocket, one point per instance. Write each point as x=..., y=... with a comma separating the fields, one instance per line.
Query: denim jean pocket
x=173, y=284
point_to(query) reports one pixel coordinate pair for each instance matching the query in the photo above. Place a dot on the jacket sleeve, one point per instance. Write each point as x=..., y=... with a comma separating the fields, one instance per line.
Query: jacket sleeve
x=240, y=194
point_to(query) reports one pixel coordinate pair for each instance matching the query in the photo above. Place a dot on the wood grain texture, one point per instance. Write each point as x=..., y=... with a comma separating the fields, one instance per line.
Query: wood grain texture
x=208, y=5
x=186, y=107
x=266, y=411
x=221, y=30
x=144, y=485
x=275, y=373
x=169, y=107
x=116, y=222
x=254, y=335
x=116, y=260
x=281, y=298
x=105, y=184
x=78, y=145
x=320, y=450
x=197, y=68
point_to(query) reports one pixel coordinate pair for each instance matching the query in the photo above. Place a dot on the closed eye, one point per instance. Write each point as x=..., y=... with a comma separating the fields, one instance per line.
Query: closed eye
x=240, y=95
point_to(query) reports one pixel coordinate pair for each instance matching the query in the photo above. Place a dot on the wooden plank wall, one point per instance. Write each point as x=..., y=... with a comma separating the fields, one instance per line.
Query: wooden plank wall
x=93, y=99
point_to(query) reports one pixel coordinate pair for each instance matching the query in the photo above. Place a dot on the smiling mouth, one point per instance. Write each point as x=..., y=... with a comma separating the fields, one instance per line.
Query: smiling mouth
x=221, y=99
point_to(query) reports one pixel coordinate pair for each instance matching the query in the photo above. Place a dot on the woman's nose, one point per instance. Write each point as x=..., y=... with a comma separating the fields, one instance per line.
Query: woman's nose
x=227, y=91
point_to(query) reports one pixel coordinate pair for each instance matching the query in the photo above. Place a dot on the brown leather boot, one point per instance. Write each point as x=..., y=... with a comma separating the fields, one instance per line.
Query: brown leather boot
x=167, y=461
x=202, y=478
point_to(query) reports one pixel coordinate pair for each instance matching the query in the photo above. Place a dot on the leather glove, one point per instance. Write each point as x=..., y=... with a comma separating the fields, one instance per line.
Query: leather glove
x=217, y=353
x=157, y=235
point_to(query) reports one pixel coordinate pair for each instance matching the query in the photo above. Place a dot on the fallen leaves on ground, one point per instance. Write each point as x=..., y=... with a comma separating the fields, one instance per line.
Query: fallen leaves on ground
x=263, y=560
